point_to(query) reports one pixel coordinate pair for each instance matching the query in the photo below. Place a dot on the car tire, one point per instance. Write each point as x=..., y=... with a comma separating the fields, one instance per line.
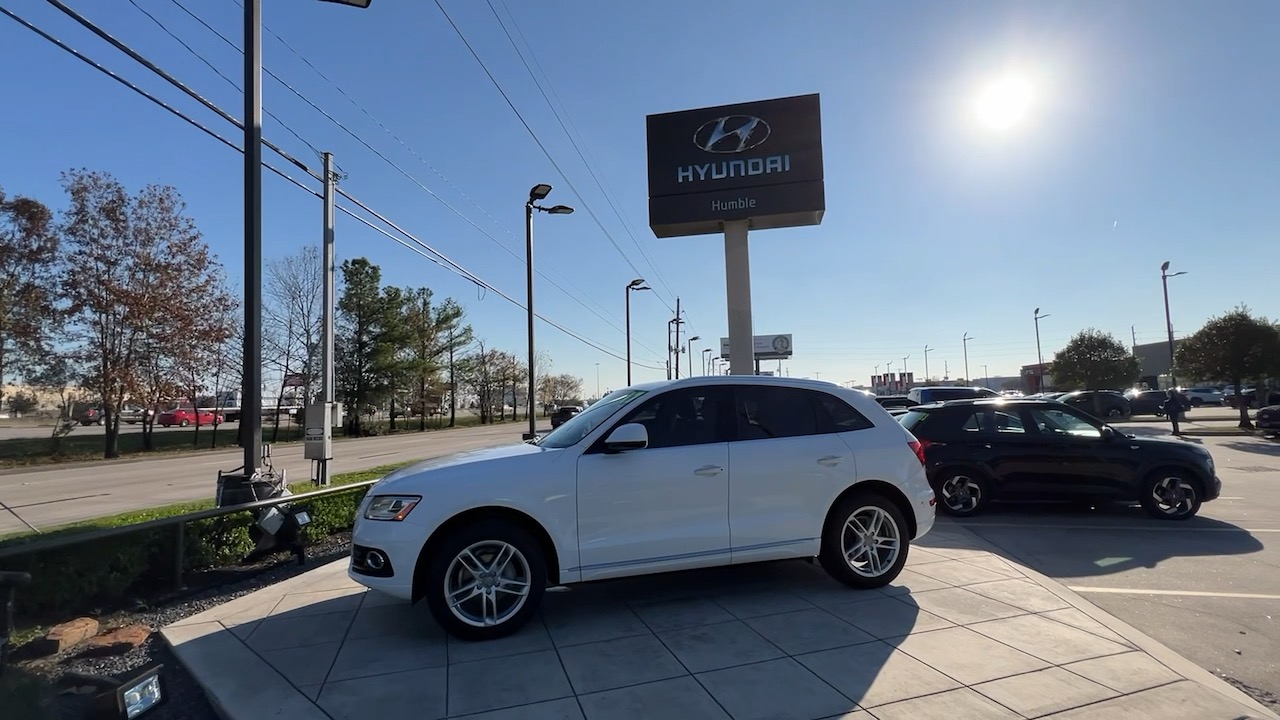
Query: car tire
x=1196, y=402
x=1115, y=412
x=843, y=544
x=184, y=423
x=163, y=425
x=1171, y=495
x=961, y=492
x=449, y=572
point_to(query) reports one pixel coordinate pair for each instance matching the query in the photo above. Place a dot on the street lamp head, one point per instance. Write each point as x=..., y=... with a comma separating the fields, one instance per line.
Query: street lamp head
x=539, y=192
x=695, y=337
x=636, y=283
x=1180, y=272
x=560, y=210
x=351, y=3
x=706, y=350
x=1164, y=267
x=1036, y=311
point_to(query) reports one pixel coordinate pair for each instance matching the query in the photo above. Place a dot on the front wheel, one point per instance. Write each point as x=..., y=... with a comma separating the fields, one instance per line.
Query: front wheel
x=184, y=423
x=486, y=580
x=1115, y=413
x=865, y=543
x=1170, y=495
x=961, y=493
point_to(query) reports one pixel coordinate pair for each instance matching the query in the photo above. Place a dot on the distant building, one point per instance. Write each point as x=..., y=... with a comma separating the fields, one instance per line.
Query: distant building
x=1153, y=362
x=1032, y=375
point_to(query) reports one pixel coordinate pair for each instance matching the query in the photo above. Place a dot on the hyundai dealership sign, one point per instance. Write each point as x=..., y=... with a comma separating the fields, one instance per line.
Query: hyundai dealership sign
x=758, y=161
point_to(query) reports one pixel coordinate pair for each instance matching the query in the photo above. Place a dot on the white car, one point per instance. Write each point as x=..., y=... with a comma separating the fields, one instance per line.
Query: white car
x=1202, y=396
x=674, y=475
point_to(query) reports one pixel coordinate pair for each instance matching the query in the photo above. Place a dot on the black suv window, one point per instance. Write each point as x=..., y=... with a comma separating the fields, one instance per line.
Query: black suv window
x=836, y=415
x=688, y=416
x=774, y=412
x=989, y=420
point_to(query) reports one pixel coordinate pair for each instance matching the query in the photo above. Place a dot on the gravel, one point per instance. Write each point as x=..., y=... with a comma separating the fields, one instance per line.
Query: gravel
x=185, y=699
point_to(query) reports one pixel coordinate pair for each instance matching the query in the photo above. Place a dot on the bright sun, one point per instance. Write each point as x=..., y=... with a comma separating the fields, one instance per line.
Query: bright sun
x=1004, y=103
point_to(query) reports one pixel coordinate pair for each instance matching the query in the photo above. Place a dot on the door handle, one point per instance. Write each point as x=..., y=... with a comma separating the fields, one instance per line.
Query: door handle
x=830, y=460
x=709, y=470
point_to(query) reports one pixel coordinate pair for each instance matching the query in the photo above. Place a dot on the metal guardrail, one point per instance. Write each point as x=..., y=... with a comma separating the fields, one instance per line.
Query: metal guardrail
x=178, y=522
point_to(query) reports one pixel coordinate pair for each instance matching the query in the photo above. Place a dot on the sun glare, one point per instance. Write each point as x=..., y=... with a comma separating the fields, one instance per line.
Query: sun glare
x=1004, y=103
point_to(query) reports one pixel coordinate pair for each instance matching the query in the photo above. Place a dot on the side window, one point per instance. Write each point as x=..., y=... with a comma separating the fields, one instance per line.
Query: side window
x=773, y=412
x=1060, y=422
x=836, y=415
x=973, y=423
x=688, y=416
x=1008, y=423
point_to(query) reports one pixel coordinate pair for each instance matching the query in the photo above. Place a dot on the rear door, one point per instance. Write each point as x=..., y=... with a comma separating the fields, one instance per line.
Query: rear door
x=786, y=463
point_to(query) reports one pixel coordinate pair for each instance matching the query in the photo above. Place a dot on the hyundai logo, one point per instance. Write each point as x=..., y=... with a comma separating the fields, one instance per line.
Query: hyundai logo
x=731, y=134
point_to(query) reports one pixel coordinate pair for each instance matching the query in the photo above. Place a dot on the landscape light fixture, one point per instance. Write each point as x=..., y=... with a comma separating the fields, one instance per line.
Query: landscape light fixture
x=134, y=696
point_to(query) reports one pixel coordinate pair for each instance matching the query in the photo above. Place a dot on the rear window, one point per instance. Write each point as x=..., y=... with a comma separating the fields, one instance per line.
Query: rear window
x=913, y=419
x=956, y=394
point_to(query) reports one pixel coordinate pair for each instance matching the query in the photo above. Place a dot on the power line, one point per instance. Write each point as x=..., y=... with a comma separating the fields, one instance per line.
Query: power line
x=543, y=147
x=608, y=196
x=590, y=307
x=439, y=258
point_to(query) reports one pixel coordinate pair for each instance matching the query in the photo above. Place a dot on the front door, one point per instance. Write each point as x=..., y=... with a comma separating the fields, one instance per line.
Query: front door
x=1086, y=465
x=663, y=507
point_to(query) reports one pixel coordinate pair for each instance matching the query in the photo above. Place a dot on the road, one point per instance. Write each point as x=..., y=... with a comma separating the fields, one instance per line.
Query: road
x=1208, y=588
x=57, y=494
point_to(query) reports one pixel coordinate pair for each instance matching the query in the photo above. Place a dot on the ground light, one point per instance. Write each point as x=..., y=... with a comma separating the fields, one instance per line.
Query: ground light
x=134, y=697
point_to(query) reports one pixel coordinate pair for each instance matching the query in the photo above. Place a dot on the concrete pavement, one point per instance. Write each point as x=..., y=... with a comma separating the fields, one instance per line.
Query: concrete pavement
x=962, y=634
x=1207, y=588
x=56, y=494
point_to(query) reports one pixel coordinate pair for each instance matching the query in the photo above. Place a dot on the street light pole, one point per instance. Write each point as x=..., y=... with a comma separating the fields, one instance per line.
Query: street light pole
x=927, y=350
x=706, y=353
x=633, y=286
x=251, y=370
x=1168, y=319
x=965, y=341
x=1039, y=355
x=597, y=381
x=536, y=193
x=689, y=343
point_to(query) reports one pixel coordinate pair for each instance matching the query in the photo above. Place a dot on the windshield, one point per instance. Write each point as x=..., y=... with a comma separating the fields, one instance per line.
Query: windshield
x=582, y=424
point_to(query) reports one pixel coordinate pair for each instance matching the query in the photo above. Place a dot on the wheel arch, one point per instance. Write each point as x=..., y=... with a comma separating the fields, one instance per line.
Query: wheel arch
x=518, y=518
x=1166, y=466
x=888, y=490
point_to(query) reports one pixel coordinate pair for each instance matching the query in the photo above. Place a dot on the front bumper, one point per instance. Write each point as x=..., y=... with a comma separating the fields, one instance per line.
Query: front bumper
x=400, y=543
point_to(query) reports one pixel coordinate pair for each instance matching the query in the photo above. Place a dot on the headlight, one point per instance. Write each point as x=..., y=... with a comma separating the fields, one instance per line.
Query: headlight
x=390, y=507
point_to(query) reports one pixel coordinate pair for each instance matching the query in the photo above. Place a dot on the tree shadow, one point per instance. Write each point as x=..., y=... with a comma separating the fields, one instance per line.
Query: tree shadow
x=1259, y=448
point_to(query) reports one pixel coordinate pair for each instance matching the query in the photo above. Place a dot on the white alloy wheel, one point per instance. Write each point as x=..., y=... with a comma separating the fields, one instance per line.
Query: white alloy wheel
x=871, y=541
x=487, y=583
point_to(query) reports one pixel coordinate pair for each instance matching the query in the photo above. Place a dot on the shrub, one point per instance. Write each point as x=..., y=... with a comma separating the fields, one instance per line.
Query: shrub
x=82, y=577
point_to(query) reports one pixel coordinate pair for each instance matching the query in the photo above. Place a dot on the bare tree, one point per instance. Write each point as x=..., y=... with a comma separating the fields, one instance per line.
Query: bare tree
x=292, y=314
x=28, y=283
x=483, y=374
x=125, y=257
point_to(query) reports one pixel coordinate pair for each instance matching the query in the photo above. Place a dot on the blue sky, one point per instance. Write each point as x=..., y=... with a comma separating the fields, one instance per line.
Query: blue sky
x=1148, y=136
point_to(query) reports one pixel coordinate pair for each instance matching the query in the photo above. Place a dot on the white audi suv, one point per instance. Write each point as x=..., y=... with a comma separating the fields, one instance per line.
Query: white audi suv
x=665, y=476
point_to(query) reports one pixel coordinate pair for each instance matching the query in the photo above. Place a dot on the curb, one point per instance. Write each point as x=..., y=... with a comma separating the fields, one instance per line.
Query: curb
x=1139, y=639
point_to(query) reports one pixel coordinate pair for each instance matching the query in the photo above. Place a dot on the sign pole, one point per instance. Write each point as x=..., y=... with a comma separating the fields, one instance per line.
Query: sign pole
x=737, y=277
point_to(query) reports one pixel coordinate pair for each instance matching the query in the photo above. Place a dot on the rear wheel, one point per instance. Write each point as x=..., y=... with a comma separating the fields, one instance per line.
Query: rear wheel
x=865, y=543
x=1171, y=495
x=1115, y=412
x=486, y=580
x=184, y=423
x=961, y=493
x=1196, y=402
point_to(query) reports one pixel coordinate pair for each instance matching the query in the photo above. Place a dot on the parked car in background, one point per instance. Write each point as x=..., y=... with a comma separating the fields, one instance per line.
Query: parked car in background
x=982, y=450
x=1100, y=403
x=1198, y=396
x=183, y=417
x=91, y=416
x=134, y=414
x=1268, y=419
x=943, y=393
x=1249, y=398
x=674, y=475
x=1147, y=402
x=894, y=401
x=562, y=415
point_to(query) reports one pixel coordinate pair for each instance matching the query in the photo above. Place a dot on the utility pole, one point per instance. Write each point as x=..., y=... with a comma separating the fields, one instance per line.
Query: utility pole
x=927, y=350
x=318, y=445
x=1133, y=333
x=817, y=375
x=986, y=376
x=675, y=346
x=453, y=385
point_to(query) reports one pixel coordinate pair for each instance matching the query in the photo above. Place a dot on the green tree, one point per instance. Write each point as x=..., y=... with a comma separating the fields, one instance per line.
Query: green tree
x=1233, y=347
x=430, y=328
x=1094, y=360
x=372, y=330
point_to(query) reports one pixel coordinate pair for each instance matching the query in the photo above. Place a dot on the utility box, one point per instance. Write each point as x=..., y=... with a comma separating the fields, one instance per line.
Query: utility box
x=319, y=424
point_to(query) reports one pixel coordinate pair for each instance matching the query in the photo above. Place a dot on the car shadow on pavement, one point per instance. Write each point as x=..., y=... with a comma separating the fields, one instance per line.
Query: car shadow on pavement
x=1271, y=448
x=1068, y=541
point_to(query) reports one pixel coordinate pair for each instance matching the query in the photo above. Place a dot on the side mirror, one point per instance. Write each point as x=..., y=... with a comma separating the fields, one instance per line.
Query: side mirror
x=632, y=436
x=1109, y=433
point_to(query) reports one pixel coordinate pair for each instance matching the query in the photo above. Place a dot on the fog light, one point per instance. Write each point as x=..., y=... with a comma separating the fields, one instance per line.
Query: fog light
x=375, y=560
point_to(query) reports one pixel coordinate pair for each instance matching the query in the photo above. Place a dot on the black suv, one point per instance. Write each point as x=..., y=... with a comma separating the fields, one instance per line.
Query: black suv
x=943, y=393
x=981, y=450
x=1099, y=403
x=563, y=413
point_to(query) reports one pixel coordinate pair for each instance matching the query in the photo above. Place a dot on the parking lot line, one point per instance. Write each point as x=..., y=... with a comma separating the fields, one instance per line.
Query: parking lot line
x=1184, y=593
x=1152, y=528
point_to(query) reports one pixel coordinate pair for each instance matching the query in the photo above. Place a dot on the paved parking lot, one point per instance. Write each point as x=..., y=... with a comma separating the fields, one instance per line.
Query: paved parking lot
x=1209, y=588
x=962, y=635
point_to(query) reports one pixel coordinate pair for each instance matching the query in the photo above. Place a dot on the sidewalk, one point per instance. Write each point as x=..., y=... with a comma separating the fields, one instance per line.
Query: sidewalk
x=962, y=634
